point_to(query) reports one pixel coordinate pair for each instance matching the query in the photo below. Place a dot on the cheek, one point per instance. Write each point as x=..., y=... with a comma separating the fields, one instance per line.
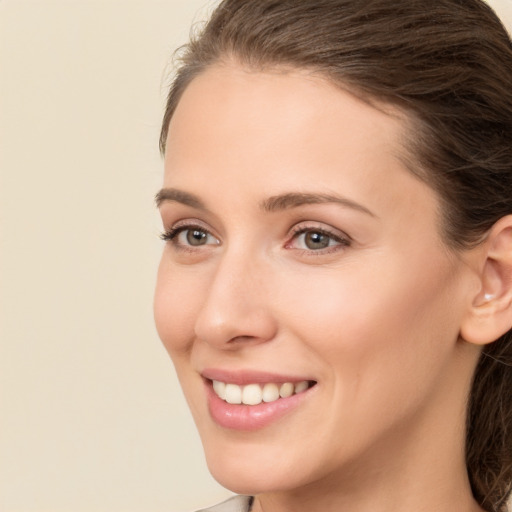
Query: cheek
x=375, y=318
x=175, y=308
x=383, y=341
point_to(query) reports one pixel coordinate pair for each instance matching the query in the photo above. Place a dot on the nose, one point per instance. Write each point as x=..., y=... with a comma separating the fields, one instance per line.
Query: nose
x=237, y=308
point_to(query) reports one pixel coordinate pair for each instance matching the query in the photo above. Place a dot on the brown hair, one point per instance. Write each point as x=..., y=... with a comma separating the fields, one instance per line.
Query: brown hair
x=448, y=65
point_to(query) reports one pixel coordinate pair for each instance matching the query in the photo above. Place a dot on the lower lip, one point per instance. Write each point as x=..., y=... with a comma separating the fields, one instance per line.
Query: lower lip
x=251, y=417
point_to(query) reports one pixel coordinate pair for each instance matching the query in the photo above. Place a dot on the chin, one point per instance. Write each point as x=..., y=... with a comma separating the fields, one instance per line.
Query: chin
x=253, y=468
x=250, y=480
x=242, y=483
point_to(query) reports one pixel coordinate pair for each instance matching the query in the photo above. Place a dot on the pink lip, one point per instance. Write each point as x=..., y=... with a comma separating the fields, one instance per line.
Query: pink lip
x=242, y=377
x=249, y=417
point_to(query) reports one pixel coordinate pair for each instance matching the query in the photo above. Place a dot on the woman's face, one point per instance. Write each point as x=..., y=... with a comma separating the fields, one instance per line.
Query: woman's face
x=303, y=257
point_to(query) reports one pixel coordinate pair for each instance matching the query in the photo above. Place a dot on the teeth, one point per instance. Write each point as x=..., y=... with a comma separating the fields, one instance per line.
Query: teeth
x=301, y=386
x=220, y=389
x=254, y=394
x=286, y=390
x=270, y=392
x=233, y=394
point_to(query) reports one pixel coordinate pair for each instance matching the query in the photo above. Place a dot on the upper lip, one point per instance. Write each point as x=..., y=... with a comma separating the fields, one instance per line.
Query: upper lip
x=242, y=377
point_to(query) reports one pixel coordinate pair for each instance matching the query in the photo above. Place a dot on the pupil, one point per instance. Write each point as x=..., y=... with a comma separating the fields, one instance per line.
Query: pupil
x=196, y=237
x=316, y=240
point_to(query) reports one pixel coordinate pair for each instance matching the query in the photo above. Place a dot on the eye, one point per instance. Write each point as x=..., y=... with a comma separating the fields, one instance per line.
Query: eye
x=189, y=236
x=317, y=239
x=193, y=237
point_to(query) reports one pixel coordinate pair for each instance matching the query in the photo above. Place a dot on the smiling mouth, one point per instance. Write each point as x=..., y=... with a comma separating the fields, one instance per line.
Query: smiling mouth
x=255, y=394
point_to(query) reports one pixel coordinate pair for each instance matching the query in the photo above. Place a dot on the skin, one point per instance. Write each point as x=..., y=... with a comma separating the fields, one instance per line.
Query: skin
x=374, y=318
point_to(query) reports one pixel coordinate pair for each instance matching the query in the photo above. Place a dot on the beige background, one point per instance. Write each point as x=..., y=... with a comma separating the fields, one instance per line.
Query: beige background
x=91, y=415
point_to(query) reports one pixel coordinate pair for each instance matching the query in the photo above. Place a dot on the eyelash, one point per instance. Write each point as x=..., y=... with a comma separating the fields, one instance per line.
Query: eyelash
x=171, y=235
x=341, y=241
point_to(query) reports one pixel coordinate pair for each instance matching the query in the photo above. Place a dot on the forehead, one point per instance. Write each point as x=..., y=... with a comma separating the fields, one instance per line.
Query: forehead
x=276, y=106
x=282, y=130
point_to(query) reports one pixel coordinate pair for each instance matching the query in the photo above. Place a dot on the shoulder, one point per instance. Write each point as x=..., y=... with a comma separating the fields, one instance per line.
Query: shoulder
x=234, y=504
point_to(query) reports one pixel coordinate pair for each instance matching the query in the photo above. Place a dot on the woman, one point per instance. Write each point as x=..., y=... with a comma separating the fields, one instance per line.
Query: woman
x=336, y=287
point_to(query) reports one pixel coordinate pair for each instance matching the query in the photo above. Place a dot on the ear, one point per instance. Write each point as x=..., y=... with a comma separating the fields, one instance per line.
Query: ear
x=490, y=314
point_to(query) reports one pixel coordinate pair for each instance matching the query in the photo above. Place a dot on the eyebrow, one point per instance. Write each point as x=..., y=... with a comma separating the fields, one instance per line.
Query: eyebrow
x=178, y=196
x=296, y=199
x=272, y=204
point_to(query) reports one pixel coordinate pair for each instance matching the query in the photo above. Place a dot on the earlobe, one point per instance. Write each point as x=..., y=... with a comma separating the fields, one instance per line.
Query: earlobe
x=490, y=314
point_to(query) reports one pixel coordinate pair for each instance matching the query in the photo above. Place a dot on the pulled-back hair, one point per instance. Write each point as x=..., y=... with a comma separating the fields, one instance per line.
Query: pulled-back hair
x=448, y=65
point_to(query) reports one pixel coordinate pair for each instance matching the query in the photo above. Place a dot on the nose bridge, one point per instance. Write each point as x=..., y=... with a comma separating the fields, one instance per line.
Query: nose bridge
x=236, y=306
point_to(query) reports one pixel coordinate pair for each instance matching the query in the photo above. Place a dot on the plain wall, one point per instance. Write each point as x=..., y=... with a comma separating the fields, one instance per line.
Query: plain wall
x=91, y=415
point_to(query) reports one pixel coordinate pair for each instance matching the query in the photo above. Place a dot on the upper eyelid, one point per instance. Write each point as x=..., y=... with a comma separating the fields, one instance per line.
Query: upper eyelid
x=189, y=223
x=174, y=212
x=186, y=227
x=327, y=230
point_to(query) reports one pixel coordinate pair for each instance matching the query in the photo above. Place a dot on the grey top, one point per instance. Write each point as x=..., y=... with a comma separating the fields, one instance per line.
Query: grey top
x=234, y=504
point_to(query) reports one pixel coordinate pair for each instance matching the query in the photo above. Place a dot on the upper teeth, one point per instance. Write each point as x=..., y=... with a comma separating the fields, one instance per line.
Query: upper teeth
x=254, y=394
